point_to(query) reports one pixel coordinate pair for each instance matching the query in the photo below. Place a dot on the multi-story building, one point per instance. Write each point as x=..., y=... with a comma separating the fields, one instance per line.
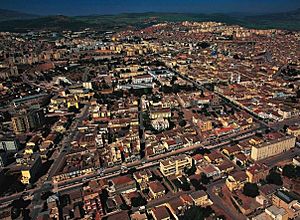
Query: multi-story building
x=204, y=124
x=288, y=201
x=257, y=172
x=236, y=181
x=122, y=184
x=31, y=100
x=142, y=177
x=160, y=213
x=175, y=165
x=160, y=113
x=200, y=198
x=294, y=130
x=273, y=147
x=272, y=212
x=9, y=145
x=156, y=189
x=3, y=159
x=276, y=213
x=30, y=168
x=20, y=124
x=28, y=120
x=142, y=79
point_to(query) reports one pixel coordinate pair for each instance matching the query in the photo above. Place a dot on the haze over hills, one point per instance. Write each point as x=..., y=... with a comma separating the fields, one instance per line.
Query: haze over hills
x=6, y=15
x=21, y=22
x=284, y=20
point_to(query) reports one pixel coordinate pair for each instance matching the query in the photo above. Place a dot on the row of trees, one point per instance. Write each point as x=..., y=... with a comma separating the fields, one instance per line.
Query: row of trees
x=290, y=171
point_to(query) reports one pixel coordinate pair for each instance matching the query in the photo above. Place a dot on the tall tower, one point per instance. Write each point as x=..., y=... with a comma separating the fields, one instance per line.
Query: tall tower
x=231, y=78
x=238, y=81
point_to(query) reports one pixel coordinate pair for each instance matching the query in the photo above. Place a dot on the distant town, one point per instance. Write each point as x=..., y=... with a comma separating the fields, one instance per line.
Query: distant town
x=179, y=120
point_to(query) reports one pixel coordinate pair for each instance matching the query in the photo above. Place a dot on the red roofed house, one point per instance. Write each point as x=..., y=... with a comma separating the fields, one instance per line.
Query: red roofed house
x=122, y=184
x=240, y=159
x=231, y=150
x=257, y=172
x=156, y=189
x=160, y=213
x=214, y=157
x=200, y=198
x=236, y=181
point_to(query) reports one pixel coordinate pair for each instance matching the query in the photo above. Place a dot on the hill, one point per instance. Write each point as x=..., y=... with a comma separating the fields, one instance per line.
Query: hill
x=53, y=23
x=104, y=22
x=287, y=20
x=6, y=15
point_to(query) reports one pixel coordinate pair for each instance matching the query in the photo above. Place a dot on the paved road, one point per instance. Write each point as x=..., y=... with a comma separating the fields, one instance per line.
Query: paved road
x=115, y=171
x=141, y=125
x=37, y=203
x=224, y=98
x=221, y=204
x=141, y=164
x=146, y=163
x=289, y=155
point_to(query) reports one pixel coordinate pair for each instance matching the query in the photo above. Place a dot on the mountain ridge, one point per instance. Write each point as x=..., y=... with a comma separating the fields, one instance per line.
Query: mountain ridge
x=6, y=15
x=285, y=20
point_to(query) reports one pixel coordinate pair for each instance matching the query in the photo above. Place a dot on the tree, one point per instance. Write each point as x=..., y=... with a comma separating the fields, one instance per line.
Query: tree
x=138, y=201
x=131, y=170
x=165, y=89
x=146, y=191
x=298, y=93
x=46, y=195
x=202, y=151
x=174, y=78
x=15, y=212
x=291, y=171
x=64, y=200
x=176, y=88
x=185, y=186
x=274, y=178
x=124, y=206
x=190, y=171
x=197, y=184
x=197, y=213
x=239, y=163
x=26, y=214
x=204, y=179
x=73, y=109
x=19, y=203
x=182, y=123
x=204, y=45
x=251, y=190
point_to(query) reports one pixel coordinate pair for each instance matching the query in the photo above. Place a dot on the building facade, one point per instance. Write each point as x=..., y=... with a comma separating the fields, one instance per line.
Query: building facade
x=175, y=165
x=26, y=121
x=272, y=148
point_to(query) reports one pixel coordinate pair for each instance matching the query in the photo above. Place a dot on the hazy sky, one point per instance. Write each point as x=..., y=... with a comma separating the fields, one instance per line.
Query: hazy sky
x=86, y=7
